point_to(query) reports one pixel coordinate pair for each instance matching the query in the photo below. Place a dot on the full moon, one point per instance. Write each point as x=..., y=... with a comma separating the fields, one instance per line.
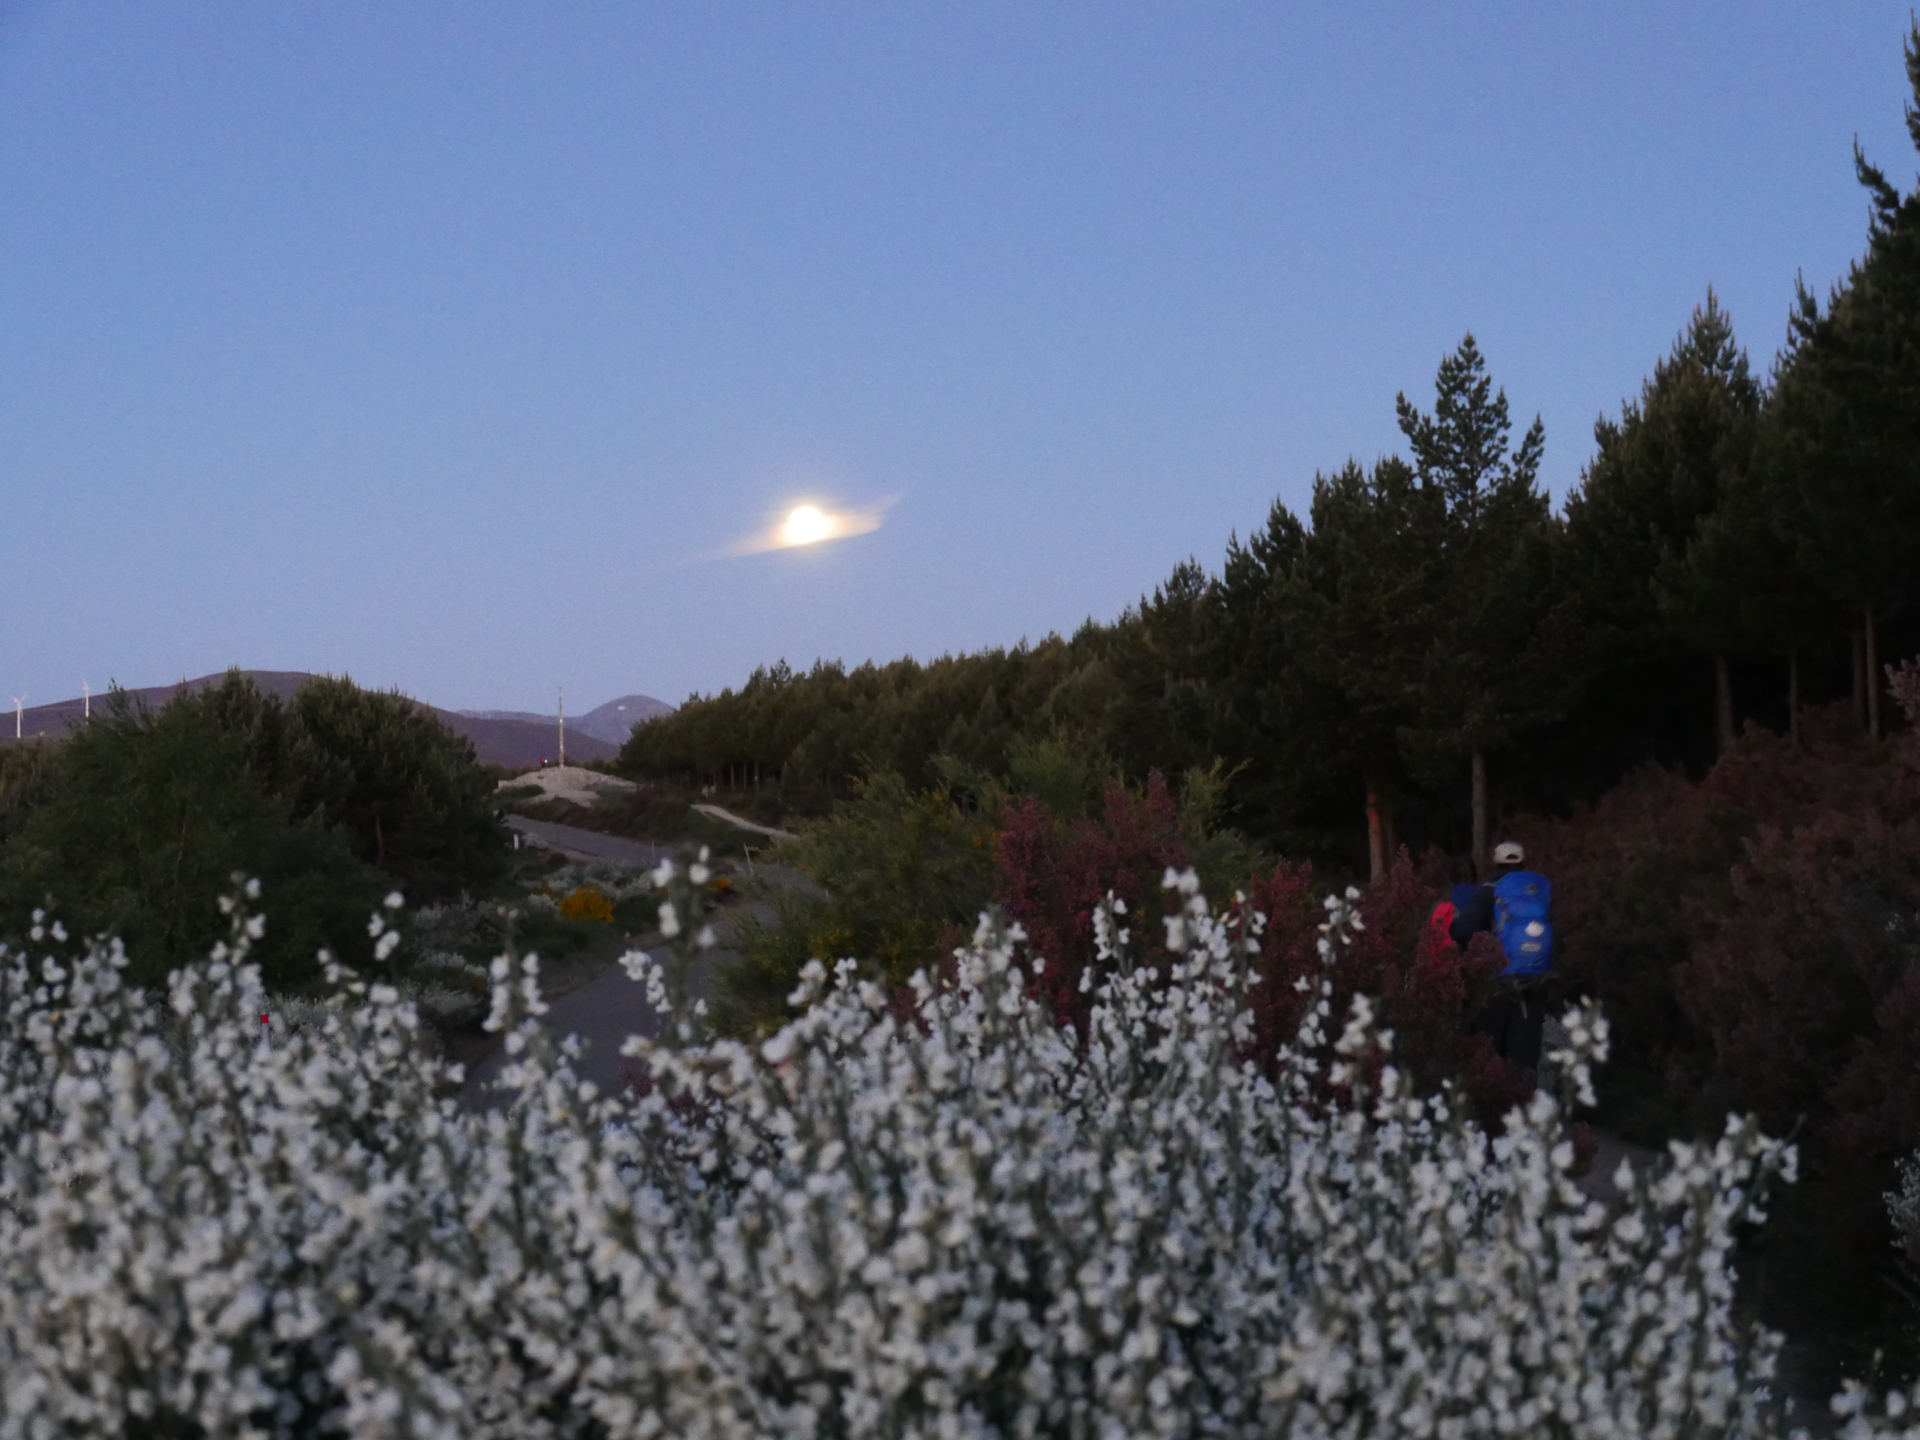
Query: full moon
x=809, y=524
x=806, y=525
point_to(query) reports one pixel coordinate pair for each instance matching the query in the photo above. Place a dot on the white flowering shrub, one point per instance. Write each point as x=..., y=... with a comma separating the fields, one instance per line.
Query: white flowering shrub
x=946, y=1217
x=1903, y=1206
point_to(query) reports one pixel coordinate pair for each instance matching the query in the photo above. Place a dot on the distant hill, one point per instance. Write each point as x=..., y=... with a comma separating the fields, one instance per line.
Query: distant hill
x=612, y=722
x=497, y=739
x=523, y=742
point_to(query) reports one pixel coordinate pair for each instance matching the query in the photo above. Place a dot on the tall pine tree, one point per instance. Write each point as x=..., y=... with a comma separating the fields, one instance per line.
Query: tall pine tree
x=1327, y=626
x=1843, y=441
x=1360, y=609
x=1486, y=674
x=1647, y=587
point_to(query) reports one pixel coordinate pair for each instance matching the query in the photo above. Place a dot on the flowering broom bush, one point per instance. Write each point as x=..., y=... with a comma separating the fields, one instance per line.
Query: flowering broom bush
x=957, y=1220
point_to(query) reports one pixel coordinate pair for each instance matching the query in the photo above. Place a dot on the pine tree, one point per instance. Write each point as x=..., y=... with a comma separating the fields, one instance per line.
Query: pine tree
x=1162, y=654
x=1658, y=567
x=1257, y=704
x=1843, y=442
x=1357, y=609
x=1699, y=418
x=1486, y=675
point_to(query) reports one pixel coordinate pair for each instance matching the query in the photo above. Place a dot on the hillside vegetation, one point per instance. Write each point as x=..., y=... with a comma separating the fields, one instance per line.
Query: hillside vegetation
x=137, y=822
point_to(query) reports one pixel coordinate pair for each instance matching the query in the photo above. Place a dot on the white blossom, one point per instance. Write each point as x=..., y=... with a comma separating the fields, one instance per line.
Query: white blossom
x=962, y=1222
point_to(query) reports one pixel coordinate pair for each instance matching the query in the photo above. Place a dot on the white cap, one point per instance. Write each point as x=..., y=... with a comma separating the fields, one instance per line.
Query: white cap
x=1508, y=852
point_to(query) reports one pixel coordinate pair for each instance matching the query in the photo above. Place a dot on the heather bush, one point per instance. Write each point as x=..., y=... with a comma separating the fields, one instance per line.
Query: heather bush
x=1055, y=873
x=1753, y=936
x=1806, y=985
x=960, y=1220
x=899, y=874
x=903, y=869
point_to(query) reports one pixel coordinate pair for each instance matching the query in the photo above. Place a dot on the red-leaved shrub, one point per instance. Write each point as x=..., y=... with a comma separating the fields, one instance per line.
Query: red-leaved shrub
x=1628, y=878
x=1755, y=940
x=1053, y=878
x=1424, y=988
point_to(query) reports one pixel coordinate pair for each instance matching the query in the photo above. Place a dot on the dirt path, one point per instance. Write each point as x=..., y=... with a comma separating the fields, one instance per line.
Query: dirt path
x=606, y=1006
x=740, y=822
x=578, y=844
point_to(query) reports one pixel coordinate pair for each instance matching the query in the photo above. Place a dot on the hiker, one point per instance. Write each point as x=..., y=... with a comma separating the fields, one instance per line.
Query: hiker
x=1514, y=909
x=1442, y=949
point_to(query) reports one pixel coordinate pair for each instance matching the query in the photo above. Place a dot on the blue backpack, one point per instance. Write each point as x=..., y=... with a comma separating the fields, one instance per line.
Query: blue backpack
x=1520, y=923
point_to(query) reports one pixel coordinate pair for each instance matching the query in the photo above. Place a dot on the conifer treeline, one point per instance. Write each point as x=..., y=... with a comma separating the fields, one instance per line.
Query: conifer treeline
x=1431, y=631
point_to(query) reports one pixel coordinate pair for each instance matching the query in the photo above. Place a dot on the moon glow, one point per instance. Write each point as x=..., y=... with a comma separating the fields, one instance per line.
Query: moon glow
x=806, y=525
x=809, y=522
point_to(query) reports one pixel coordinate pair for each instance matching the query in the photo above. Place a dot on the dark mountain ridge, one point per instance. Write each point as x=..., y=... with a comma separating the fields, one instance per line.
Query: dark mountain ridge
x=497, y=739
x=612, y=722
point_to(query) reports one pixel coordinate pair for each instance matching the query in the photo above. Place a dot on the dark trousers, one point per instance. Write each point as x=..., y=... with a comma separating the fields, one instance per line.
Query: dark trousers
x=1513, y=1018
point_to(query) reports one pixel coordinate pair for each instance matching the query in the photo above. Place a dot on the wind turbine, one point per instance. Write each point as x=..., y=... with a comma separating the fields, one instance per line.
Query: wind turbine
x=562, y=702
x=16, y=715
x=86, y=701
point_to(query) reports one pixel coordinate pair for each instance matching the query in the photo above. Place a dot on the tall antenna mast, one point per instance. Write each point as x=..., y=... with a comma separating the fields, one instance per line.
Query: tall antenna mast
x=16, y=715
x=563, y=725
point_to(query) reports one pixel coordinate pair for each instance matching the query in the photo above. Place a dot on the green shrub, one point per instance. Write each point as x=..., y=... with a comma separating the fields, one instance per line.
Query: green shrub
x=139, y=818
x=141, y=823
x=901, y=869
x=404, y=787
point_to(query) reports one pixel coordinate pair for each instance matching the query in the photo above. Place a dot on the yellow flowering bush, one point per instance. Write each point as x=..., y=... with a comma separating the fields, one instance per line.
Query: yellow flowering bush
x=587, y=902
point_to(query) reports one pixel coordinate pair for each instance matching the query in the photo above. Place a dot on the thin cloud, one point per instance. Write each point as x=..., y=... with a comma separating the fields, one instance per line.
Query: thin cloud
x=811, y=523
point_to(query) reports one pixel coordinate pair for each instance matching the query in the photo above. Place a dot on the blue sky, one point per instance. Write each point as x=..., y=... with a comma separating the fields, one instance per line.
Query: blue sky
x=433, y=343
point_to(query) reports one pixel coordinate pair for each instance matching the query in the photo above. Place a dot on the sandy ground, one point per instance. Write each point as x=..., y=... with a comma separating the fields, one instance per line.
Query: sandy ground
x=570, y=782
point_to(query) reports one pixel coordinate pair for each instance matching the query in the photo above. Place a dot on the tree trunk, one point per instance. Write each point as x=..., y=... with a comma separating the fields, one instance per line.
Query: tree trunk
x=1722, y=704
x=1793, y=700
x=1479, y=814
x=1859, y=681
x=1378, y=826
x=1872, y=648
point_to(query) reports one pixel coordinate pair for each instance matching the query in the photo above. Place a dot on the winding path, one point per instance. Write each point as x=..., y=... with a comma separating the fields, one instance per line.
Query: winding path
x=610, y=1007
x=578, y=844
